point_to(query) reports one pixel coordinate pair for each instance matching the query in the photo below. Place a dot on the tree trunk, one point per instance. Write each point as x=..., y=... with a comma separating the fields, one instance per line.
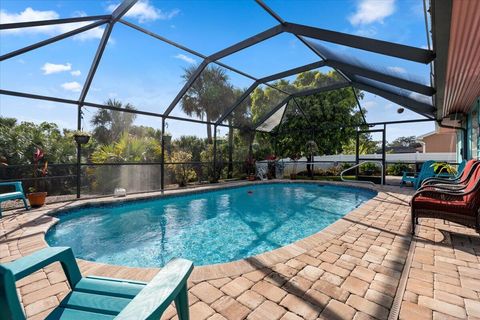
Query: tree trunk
x=309, y=166
x=230, y=151
x=209, y=131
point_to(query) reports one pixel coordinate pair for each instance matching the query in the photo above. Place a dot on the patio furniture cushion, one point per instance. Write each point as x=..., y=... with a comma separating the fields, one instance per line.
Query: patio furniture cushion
x=466, y=169
x=459, y=181
x=460, y=206
x=457, y=206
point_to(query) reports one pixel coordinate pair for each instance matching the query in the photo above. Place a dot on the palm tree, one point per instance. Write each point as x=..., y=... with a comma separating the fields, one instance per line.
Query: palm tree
x=209, y=95
x=109, y=124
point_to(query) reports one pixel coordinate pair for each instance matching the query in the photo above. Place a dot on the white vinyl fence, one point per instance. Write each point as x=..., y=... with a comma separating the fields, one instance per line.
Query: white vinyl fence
x=326, y=162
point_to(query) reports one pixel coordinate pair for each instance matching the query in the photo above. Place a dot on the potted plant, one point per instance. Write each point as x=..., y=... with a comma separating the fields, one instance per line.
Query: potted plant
x=81, y=137
x=443, y=168
x=35, y=197
x=294, y=157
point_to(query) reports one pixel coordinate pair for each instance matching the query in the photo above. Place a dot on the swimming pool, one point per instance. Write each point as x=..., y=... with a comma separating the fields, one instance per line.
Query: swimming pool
x=207, y=228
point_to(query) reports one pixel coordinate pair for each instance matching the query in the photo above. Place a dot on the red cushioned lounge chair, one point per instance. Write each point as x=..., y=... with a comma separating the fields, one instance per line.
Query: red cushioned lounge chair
x=462, y=180
x=460, y=206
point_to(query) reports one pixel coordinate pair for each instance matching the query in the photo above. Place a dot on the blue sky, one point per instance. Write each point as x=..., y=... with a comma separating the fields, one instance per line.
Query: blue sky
x=146, y=72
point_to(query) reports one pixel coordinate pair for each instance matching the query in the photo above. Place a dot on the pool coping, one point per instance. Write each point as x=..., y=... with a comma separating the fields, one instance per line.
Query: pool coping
x=233, y=268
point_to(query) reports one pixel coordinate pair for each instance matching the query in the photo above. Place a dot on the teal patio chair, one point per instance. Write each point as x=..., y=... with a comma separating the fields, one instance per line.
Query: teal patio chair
x=427, y=171
x=17, y=194
x=98, y=298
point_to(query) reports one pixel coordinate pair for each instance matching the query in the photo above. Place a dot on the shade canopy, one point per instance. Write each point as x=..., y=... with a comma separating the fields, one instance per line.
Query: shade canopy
x=400, y=88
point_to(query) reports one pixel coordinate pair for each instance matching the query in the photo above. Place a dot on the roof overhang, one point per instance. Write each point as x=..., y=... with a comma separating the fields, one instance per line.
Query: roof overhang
x=456, y=43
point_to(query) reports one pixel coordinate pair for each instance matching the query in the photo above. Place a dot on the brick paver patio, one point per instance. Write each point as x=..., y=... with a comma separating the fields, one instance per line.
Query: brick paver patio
x=354, y=269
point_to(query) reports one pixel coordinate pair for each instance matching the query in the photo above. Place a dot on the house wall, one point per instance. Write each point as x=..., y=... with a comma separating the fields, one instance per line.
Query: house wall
x=473, y=131
x=478, y=128
x=442, y=141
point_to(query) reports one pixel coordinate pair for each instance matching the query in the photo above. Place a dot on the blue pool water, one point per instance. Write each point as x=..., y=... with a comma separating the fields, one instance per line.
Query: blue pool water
x=207, y=228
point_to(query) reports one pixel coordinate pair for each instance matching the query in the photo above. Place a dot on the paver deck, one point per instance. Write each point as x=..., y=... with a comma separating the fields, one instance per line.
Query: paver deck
x=354, y=269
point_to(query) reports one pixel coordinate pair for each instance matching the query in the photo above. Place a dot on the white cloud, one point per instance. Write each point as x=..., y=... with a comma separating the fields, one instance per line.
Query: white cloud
x=143, y=11
x=397, y=69
x=76, y=73
x=30, y=14
x=72, y=86
x=370, y=11
x=49, y=68
x=390, y=106
x=185, y=58
x=95, y=33
x=369, y=104
x=368, y=32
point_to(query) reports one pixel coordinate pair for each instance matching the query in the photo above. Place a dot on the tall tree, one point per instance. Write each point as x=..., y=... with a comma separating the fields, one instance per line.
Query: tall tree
x=325, y=114
x=209, y=95
x=240, y=118
x=410, y=141
x=110, y=125
x=191, y=144
x=366, y=145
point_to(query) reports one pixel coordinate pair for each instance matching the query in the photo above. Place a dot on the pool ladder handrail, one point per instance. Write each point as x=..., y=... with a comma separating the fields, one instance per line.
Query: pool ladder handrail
x=359, y=164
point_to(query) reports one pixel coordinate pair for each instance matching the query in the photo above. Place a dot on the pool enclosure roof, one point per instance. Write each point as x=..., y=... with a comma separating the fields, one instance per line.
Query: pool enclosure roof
x=352, y=72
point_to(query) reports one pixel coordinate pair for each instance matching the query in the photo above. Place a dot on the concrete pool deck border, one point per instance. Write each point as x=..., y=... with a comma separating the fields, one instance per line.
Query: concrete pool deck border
x=354, y=269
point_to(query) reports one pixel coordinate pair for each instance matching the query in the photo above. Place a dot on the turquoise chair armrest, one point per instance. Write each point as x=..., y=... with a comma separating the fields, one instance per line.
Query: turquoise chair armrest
x=42, y=258
x=17, y=184
x=157, y=295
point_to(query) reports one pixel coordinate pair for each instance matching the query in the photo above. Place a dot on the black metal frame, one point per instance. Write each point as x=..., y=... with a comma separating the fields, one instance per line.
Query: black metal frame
x=348, y=72
x=384, y=155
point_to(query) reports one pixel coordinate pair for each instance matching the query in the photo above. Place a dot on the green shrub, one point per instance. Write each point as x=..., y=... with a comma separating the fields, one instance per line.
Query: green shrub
x=397, y=169
x=181, y=168
x=369, y=168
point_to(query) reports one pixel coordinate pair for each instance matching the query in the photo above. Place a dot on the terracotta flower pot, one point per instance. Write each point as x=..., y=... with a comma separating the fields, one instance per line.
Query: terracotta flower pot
x=37, y=199
x=251, y=177
x=293, y=176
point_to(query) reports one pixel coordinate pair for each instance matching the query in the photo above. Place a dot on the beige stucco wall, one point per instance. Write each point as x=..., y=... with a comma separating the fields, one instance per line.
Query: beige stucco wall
x=442, y=141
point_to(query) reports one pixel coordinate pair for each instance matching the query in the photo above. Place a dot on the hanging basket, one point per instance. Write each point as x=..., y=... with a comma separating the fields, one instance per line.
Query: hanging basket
x=81, y=139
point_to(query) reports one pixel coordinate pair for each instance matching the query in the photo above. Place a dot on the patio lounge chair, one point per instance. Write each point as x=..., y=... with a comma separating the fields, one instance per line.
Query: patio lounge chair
x=99, y=298
x=460, y=179
x=17, y=194
x=460, y=206
x=427, y=171
x=262, y=173
x=457, y=185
